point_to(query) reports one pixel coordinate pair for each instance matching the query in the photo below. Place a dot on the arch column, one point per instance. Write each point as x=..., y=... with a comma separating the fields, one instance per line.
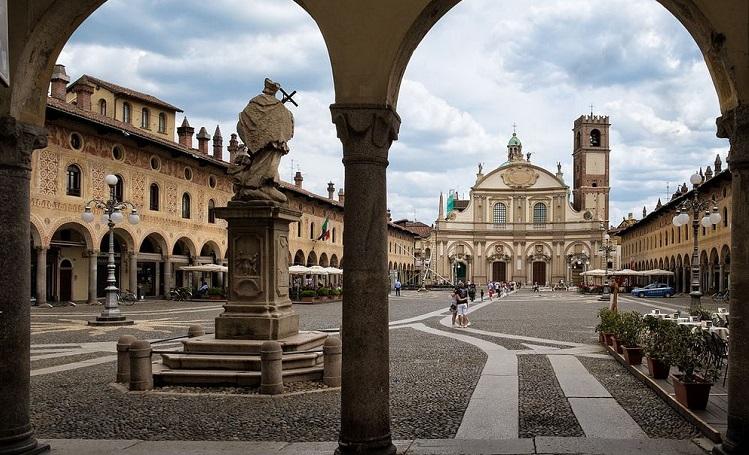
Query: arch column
x=93, y=259
x=735, y=126
x=41, y=275
x=167, y=275
x=17, y=141
x=133, y=273
x=366, y=131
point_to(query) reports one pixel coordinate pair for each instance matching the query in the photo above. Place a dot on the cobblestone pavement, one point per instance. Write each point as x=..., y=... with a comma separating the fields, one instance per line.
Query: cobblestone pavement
x=433, y=375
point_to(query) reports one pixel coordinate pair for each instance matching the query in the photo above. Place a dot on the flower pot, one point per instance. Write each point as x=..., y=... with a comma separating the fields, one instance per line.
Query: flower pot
x=693, y=395
x=633, y=355
x=658, y=368
x=617, y=346
x=609, y=338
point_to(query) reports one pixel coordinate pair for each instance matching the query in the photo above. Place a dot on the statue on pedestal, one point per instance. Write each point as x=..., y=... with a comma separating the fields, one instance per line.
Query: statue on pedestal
x=265, y=126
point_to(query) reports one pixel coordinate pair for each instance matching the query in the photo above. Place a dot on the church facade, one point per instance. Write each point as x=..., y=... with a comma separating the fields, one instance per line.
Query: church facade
x=523, y=223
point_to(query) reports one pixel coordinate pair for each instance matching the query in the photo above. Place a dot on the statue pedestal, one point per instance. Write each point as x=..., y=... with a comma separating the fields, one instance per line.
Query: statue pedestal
x=258, y=305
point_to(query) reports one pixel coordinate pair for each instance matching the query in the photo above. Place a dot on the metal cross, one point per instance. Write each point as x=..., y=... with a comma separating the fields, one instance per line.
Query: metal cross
x=514, y=128
x=288, y=97
x=591, y=110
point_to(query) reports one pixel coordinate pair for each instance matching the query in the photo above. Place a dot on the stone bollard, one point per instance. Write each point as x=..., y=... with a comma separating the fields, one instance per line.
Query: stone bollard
x=332, y=360
x=141, y=374
x=195, y=331
x=271, y=370
x=123, y=358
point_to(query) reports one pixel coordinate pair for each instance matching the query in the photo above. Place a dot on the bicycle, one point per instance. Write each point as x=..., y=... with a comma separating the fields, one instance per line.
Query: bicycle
x=721, y=297
x=180, y=294
x=126, y=298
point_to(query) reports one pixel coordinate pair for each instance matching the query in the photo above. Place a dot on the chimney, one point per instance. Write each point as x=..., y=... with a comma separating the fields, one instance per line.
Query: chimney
x=708, y=173
x=718, y=164
x=233, y=147
x=83, y=90
x=184, y=133
x=203, y=138
x=218, y=143
x=331, y=190
x=298, y=179
x=59, y=82
x=341, y=196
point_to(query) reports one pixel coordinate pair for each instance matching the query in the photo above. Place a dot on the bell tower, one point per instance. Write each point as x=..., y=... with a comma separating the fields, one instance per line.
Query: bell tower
x=590, y=159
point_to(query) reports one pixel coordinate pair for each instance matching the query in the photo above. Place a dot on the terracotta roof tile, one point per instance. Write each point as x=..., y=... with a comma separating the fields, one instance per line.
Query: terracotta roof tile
x=120, y=90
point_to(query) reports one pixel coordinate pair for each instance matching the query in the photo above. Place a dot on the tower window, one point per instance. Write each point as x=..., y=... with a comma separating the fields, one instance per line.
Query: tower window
x=126, y=112
x=577, y=140
x=145, y=118
x=103, y=107
x=595, y=138
x=162, y=123
x=186, y=206
x=154, y=197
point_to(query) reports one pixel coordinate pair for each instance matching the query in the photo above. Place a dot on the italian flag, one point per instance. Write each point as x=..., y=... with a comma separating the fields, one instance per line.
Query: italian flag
x=325, y=230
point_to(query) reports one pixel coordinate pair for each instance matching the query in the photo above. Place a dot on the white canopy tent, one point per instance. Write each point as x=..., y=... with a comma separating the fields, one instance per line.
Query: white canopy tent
x=205, y=268
x=299, y=270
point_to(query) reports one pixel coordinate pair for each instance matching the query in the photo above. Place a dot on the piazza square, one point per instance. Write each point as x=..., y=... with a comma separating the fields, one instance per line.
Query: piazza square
x=394, y=227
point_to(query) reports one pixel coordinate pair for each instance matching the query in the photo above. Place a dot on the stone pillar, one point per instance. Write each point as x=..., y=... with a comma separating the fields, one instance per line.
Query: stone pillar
x=41, y=275
x=271, y=371
x=141, y=372
x=258, y=305
x=366, y=132
x=17, y=141
x=332, y=362
x=721, y=277
x=93, y=260
x=735, y=126
x=167, y=275
x=133, y=273
x=123, y=358
x=157, y=280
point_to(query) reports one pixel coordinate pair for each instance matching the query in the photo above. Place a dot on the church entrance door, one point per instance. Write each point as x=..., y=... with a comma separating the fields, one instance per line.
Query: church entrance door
x=499, y=271
x=539, y=273
x=460, y=272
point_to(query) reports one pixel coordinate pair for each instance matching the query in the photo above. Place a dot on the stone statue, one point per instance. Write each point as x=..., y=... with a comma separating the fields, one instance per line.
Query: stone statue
x=528, y=156
x=265, y=126
x=559, y=167
x=481, y=168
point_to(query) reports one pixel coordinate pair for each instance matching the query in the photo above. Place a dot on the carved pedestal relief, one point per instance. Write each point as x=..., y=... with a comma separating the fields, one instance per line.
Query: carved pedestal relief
x=246, y=269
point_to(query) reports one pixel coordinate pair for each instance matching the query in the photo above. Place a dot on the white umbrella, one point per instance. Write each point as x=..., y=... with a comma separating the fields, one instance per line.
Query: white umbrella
x=204, y=268
x=594, y=272
x=657, y=272
x=333, y=271
x=625, y=272
x=298, y=270
x=317, y=270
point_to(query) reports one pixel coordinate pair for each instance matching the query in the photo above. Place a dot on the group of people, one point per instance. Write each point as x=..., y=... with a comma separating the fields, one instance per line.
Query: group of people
x=459, y=304
x=501, y=288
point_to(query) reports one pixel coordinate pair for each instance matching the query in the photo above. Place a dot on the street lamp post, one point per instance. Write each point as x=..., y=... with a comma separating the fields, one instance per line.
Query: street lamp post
x=606, y=248
x=113, y=214
x=696, y=206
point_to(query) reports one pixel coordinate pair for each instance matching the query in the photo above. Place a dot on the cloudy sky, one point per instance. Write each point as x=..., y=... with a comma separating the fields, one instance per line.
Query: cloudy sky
x=486, y=65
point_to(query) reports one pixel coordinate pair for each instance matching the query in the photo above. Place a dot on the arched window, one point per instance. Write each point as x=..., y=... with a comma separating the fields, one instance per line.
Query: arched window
x=186, y=206
x=154, y=197
x=126, y=112
x=119, y=188
x=499, y=213
x=539, y=213
x=312, y=231
x=577, y=140
x=162, y=123
x=299, y=229
x=333, y=235
x=103, y=107
x=211, y=213
x=725, y=216
x=74, y=181
x=145, y=119
x=595, y=138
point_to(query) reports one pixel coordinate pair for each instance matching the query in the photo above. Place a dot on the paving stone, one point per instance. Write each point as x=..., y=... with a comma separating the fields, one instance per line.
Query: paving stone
x=471, y=447
x=574, y=379
x=551, y=445
x=604, y=418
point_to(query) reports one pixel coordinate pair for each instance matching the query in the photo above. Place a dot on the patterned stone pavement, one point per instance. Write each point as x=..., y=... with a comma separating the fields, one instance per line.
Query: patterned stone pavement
x=445, y=382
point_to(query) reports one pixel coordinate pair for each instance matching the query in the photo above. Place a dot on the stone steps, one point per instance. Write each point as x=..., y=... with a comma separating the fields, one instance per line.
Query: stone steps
x=162, y=375
x=190, y=361
x=208, y=344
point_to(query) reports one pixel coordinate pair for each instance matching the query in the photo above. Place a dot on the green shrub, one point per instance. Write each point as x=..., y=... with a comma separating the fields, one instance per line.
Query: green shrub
x=307, y=293
x=215, y=291
x=658, y=338
x=609, y=321
x=335, y=292
x=695, y=354
x=322, y=292
x=629, y=328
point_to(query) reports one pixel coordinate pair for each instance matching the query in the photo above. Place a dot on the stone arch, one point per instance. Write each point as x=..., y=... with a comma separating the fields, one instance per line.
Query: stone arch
x=390, y=265
x=154, y=242
x=490, y=249
x=530, y=249
x=211, y=246
x=124, y=235
x=725, y=255
x=36, y=234
x=586, y=247
x=299, y=258
x=311, y=259
x=323, y=261
x=452, y=246
x=333, y=260
x=73, y=223
x=183, y=246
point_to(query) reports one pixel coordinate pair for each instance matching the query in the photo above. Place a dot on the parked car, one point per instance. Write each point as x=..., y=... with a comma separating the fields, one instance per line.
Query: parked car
x=654, y=290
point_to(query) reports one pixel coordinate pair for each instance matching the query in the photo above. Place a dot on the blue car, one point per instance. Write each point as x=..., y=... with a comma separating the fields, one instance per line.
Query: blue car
x=654, y=290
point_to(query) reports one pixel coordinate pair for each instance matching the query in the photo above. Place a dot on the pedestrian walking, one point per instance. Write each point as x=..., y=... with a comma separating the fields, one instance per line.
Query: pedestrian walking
x=482, y=294
x=397, y=287
x=463, y=321
x=454, y=304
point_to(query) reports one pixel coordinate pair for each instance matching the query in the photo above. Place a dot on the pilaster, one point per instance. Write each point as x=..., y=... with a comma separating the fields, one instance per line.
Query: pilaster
x=366, y=131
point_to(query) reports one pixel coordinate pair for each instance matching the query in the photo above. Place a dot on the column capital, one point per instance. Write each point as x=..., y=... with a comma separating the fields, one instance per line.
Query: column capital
x=734, y=125
x=41, y=248
x=17, y=141
x=92, y=253
x=361, y=126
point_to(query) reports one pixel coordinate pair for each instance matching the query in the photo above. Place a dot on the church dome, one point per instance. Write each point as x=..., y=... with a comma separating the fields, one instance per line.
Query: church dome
x=514, y=141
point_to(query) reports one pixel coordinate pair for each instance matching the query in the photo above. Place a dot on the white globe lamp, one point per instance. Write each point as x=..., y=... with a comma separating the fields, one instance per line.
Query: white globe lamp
x=87, y=215
x=111, y=180
x=695, y=179
x=117, y=217
x=133, y=218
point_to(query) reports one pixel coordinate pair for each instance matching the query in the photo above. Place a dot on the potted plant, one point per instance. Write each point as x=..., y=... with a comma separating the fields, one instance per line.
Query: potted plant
x=699, y=361
x=606, y=327
x=628, y=334
x=308, y=296
x=656, y=341
x=215, y=293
